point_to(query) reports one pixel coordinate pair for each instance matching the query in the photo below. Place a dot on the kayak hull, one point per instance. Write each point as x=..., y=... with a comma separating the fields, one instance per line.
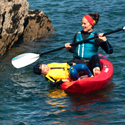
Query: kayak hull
x=89, y=84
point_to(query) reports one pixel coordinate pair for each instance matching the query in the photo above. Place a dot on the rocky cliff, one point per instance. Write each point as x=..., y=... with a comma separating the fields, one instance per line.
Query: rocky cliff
x=16, y=20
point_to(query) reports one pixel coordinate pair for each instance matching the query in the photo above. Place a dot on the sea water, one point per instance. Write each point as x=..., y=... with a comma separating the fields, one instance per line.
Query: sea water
x=28, y=99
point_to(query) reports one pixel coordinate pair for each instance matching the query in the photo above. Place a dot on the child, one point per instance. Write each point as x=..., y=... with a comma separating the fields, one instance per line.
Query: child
x=57, y=73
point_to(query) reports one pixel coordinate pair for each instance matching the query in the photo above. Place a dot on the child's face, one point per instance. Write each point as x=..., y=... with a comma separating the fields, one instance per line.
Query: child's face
x=87, y=27
x=45, y=69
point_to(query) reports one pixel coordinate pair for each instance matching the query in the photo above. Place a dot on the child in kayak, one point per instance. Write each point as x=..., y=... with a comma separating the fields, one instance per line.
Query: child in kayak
x=57, y=73
x=87, y=53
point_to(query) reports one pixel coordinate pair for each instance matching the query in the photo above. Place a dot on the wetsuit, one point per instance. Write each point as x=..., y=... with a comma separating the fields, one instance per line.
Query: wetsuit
x=94, y=61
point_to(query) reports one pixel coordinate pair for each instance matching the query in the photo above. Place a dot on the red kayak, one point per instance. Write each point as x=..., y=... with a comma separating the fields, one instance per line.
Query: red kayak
x=89, y=84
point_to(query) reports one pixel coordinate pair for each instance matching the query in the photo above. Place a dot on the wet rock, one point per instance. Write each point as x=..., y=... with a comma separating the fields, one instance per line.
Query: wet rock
x=38, y=24
x=16, y=20
x=12, y=17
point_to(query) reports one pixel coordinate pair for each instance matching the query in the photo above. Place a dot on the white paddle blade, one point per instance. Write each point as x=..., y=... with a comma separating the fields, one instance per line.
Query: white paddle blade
x=24, y=59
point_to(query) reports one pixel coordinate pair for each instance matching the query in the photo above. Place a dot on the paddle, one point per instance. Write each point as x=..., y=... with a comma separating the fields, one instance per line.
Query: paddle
x=28, y=58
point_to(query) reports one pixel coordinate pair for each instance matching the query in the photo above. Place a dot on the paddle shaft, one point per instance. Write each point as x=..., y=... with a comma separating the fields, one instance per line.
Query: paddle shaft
x=82, y=41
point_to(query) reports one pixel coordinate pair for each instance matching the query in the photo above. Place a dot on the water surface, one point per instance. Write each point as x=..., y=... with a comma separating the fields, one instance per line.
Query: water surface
x=26, y=98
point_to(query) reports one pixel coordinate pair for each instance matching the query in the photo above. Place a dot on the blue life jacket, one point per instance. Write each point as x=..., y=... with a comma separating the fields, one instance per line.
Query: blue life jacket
x=85, y=50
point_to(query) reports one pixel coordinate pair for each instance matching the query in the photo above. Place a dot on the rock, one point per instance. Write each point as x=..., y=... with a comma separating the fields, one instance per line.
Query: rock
x=38, y=24
x=16, y=20
x=12, y=17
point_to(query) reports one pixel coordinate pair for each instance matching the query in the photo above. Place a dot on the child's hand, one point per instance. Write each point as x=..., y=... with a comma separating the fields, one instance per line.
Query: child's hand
x=65, y=80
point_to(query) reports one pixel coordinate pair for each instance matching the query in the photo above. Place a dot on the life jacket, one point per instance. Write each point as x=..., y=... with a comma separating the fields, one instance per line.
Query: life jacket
x=85, y=50
x=58, y=71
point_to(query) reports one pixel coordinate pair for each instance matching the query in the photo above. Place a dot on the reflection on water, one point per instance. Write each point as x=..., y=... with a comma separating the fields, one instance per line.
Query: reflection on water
x=57, y=93
x=57, y=98
x=80, y=99
x=91, y=98
x=85, y=106
x=82, y=107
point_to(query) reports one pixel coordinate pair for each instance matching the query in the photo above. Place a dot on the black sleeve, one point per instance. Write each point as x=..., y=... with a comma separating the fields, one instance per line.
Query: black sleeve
x=106, y=46
x=55, y=83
